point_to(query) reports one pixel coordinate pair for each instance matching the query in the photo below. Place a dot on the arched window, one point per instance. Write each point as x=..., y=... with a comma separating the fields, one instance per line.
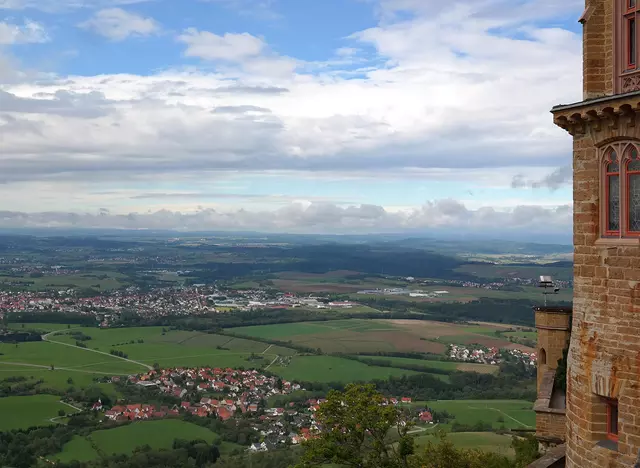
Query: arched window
x=542, y=359
x=612, y=193
x=633, y=192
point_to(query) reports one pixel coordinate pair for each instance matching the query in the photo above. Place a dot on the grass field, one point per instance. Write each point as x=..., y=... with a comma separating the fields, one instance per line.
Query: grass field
x=124, y=439
x=445, y=365
x=99, y=280
x=333, y=369
x=512, y=414
x=359, y=335
x=22, y=412
x=485, y=441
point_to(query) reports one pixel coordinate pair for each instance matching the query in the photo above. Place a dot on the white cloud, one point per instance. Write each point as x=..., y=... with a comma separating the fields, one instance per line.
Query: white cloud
x=117, y=24
x=230, y=47
x=28, y=33
x=313, y=217
x=443, y=94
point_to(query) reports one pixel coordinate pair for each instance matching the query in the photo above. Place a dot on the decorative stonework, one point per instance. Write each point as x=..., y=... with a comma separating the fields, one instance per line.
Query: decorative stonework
x=631, y=83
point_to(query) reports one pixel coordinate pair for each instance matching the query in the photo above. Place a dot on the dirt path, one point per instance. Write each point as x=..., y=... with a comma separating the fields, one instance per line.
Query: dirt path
x=270, y=346
x=423, y=429
x=46, y=338
x=272, y=362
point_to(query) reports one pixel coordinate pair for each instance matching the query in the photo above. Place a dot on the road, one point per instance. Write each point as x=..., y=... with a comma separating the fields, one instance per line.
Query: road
x=423, y=429
x=46, y=338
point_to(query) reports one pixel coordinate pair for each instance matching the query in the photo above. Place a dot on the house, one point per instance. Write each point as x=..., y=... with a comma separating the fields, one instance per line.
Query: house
x=426, y=417
x=406, y=400
x=258, y=447
x=224, y=413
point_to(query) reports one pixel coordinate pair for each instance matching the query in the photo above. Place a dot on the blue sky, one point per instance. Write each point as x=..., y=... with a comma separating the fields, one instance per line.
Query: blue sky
x=287, y=115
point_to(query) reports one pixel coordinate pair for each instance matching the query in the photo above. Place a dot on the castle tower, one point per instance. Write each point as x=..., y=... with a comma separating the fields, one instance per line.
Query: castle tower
x=554, y=327
x=603, y=379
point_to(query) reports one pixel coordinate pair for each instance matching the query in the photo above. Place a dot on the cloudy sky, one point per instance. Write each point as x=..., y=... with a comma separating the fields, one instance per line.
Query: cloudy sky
x=287, y=115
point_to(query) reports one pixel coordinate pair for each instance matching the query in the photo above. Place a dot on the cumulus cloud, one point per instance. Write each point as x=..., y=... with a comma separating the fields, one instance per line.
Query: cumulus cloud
x=27, y=33
x=117, y=24
x=230, y=47
x=314, y=217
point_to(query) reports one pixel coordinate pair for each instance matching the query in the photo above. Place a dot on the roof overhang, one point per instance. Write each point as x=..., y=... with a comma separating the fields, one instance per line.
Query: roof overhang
x=593, y=113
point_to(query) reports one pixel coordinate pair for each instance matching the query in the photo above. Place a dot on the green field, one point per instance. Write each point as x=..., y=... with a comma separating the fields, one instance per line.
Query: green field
x=168, y=348
x=512, y=414
x=124, y=439
x=333, y=369
x=22, y=412
x=444, y=365
x=99, y=280
x=523, y=334
x=485, y=441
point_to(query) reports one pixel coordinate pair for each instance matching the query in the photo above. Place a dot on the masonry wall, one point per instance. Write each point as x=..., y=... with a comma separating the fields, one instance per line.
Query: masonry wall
x=550, y=425
x=604, y=356
x=553, y=334
x=598, y=57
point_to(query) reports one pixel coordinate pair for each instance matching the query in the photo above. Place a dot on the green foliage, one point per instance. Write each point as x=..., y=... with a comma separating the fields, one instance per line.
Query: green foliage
x=356, y=425
x=561, y=371
x=445, y=455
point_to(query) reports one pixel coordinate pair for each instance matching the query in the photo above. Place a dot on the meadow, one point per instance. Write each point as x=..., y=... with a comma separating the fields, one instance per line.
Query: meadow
x=100, y=280
x=362, y=336
x=441, y=365
x=512, y=414
x=333, y=369
x=124, y=439
x=22, y=412
x=485, y=441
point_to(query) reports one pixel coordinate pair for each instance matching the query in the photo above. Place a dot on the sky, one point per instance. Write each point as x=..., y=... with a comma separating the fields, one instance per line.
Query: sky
x=333, y=116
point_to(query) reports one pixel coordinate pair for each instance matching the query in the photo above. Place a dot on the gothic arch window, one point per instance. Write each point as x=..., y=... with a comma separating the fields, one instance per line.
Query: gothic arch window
x=612, y=192
x=542, y=357
x=620, y=190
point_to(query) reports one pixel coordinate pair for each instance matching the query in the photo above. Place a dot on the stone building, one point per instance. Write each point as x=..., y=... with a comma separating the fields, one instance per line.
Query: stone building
x=603, y=378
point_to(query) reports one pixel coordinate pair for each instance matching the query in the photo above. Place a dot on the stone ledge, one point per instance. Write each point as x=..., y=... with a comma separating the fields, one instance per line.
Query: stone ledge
x=554, y=458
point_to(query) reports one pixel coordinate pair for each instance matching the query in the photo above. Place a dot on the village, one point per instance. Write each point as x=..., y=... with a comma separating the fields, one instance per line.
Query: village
x=228, y=393
x=489, y=355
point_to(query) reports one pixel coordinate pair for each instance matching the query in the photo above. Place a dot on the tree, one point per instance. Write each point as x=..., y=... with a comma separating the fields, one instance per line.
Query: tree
x=355, y=428
x=70, y=381
x=61, y=412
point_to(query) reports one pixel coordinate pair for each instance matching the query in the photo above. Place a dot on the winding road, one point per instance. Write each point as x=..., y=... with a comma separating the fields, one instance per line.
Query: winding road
x=46, y=338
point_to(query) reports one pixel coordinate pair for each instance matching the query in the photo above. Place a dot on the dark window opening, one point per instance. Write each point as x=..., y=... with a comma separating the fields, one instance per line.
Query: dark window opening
x=632, y=42
x=612, y=419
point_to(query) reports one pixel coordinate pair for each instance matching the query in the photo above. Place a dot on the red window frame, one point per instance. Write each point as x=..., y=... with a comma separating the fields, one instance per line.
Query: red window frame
x=607, y=176
x=631, y=40
x=628, y=174
x=612, y=419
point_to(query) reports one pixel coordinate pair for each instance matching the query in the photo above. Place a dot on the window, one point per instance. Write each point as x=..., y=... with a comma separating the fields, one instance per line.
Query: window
x=633, y=192
x=620, y=207
x=543, y=356
x=629, y=35
x=612, y=419
x=612, y=193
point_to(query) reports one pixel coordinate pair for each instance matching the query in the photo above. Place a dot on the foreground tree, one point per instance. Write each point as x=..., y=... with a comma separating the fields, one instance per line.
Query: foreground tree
x=357, y=430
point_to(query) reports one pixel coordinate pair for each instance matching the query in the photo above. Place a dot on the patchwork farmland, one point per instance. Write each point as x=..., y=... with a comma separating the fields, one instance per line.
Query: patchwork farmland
x=365, y=336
